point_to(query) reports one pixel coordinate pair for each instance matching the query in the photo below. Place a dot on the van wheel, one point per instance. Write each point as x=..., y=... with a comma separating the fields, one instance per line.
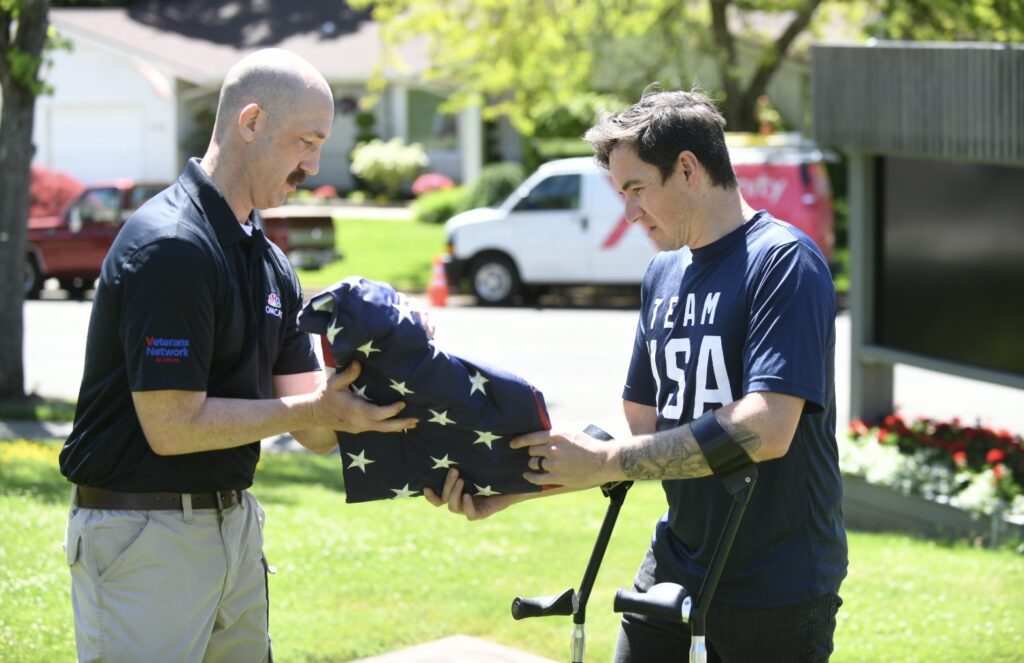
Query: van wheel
x=32, y=280
x=494, y=279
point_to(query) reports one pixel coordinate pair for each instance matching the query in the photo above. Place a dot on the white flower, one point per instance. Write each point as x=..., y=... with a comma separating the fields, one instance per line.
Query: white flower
x=980, y=494
x=925, y=473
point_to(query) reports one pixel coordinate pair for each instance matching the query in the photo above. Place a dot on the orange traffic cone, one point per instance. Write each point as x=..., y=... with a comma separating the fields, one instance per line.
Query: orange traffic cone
x=437, y=291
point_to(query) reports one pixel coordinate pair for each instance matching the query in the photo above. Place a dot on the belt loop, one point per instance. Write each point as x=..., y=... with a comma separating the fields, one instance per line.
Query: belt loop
x=74, y=496
x=220, y=501
x=186, y=507
x=240, y=494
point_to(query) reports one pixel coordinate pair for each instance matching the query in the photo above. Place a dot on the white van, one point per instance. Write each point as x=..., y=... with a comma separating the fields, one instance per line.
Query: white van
x=565, y=224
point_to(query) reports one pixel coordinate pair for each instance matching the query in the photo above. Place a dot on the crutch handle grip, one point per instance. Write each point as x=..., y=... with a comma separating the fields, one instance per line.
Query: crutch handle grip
x=665, y=600
x=616, y=489
x=543, y=606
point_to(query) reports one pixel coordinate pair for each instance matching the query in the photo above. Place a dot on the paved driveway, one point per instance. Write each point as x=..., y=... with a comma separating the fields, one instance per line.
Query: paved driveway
x=577, y=357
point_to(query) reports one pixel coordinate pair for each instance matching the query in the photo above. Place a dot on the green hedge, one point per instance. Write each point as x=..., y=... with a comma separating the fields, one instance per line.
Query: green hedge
x=496, y=182
x=439, y=206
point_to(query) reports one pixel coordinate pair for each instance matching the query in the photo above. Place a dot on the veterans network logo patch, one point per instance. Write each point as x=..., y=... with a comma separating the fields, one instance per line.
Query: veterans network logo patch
x=273, y=305
x=167, y=350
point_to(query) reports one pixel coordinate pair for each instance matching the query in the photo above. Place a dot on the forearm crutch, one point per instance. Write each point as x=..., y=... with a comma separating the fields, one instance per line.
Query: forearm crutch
x=572, y=602
x=672, y=602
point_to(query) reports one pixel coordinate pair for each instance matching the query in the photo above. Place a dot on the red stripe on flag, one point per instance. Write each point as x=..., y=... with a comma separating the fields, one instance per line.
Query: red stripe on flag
x=328, y=357
x=541, y=410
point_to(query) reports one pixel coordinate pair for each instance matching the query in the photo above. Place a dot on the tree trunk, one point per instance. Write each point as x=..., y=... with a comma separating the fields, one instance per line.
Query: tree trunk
x=741, y=103
x=16, y=118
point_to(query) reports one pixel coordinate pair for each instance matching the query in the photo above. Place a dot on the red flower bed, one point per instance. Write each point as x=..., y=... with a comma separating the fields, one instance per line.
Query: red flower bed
x=964, y=448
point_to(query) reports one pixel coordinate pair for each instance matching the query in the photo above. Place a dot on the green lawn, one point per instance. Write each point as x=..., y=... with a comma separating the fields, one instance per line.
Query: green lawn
x=397, y=252
x=358, y=580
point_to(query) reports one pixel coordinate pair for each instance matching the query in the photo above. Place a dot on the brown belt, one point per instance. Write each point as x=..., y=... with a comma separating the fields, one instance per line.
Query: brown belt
x=99, y=498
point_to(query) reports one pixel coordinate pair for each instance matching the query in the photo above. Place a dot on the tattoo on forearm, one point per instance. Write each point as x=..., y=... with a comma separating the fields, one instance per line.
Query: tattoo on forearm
x=674, y=454
x=745, y=437
x=670, y=454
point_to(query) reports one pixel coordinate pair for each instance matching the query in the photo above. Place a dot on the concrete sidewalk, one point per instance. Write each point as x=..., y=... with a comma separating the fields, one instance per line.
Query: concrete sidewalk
x=34, y=430
x=456, y=649
x=375, y=212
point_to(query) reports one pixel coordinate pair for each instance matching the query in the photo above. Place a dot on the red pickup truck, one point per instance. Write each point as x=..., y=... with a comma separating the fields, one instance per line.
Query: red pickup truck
x=71, y=246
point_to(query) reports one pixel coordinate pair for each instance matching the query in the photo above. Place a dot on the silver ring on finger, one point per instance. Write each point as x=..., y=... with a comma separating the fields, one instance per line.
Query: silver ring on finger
x=540, y=464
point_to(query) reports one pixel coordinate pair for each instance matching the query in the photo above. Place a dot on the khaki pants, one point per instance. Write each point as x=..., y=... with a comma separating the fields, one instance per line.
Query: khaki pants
x=182, y=586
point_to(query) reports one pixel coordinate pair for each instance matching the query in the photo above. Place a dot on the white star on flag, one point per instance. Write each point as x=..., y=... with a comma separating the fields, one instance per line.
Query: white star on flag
x=440, y=418
x=367, y=348
x=403, y=491
x=404, y=311
x=332, y=331
x=359, y=460
x=437, y=350
x=324, y=302
x=442, y=463
x=360, y=392
x=485, y=491
x=485, y=437
x=401, y=388
x=477, y=384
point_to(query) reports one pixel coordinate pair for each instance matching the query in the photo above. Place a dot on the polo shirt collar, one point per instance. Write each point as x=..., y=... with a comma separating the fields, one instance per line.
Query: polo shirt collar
x=208, y=198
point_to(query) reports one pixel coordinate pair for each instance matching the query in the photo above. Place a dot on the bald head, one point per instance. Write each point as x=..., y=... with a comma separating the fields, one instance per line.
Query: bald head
x=272, y=78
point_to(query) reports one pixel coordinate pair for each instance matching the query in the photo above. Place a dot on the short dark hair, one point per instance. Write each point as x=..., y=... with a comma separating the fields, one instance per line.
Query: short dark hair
x=663, y=124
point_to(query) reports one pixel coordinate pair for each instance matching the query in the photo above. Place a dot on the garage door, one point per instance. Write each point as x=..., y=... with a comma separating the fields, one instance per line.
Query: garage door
x=98, y=143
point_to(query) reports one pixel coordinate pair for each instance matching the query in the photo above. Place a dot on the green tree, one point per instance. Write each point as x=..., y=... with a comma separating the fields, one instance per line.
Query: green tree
x=973, y=20
x=518, y=55
x=515, y=56
x=23, y=35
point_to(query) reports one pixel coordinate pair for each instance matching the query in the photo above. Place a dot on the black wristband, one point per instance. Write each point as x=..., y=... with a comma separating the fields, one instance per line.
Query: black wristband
x=723, y=454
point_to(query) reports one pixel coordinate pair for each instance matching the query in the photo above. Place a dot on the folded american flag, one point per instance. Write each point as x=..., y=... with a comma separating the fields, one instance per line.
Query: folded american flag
x=468, y=411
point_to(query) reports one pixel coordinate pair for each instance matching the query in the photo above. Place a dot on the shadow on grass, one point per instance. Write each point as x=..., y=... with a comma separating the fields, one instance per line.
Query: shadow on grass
x=37, y=408
x=278, y=471
x=883, y=536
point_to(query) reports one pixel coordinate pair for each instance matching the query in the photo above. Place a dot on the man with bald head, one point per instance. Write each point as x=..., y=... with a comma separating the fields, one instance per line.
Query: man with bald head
x=193, y=356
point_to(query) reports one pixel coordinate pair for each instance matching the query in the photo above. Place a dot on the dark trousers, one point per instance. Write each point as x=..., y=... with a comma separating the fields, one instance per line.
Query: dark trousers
x=787, y=634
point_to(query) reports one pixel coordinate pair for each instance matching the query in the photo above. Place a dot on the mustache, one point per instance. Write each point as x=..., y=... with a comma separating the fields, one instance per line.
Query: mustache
x=297, y=177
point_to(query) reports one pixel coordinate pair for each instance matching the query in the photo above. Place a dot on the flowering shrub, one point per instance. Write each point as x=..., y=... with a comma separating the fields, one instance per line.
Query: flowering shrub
x=387, y=164
x=325, y=191
x=50, y=190
x=970, y=467
x=428, y=182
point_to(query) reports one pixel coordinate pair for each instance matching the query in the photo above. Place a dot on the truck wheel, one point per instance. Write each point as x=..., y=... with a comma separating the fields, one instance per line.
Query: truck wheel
x=32, y=280
x=494, y=279
x=75, y=287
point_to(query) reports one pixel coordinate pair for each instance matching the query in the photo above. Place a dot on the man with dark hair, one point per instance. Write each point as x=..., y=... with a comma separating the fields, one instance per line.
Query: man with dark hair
x=193, y=356
x=735, y=346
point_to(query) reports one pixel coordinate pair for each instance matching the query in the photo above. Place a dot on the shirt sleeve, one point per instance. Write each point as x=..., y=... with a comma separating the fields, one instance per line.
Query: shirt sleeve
x=792, y=313
x=640, y=385
x=297, y=354
x=167, y=317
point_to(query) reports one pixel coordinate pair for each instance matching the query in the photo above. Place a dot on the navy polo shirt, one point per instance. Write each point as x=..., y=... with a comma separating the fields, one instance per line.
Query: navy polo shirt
x=186, y=301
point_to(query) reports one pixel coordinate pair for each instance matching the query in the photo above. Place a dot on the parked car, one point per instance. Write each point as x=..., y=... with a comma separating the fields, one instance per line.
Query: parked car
x=71, y=246
x=566, y=226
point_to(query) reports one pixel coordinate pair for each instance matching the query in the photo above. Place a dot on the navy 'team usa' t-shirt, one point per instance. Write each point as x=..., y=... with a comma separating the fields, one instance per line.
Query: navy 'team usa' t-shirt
x=753, y=311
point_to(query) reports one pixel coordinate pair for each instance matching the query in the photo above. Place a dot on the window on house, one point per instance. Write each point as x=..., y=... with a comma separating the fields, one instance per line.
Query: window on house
x=428, y=125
